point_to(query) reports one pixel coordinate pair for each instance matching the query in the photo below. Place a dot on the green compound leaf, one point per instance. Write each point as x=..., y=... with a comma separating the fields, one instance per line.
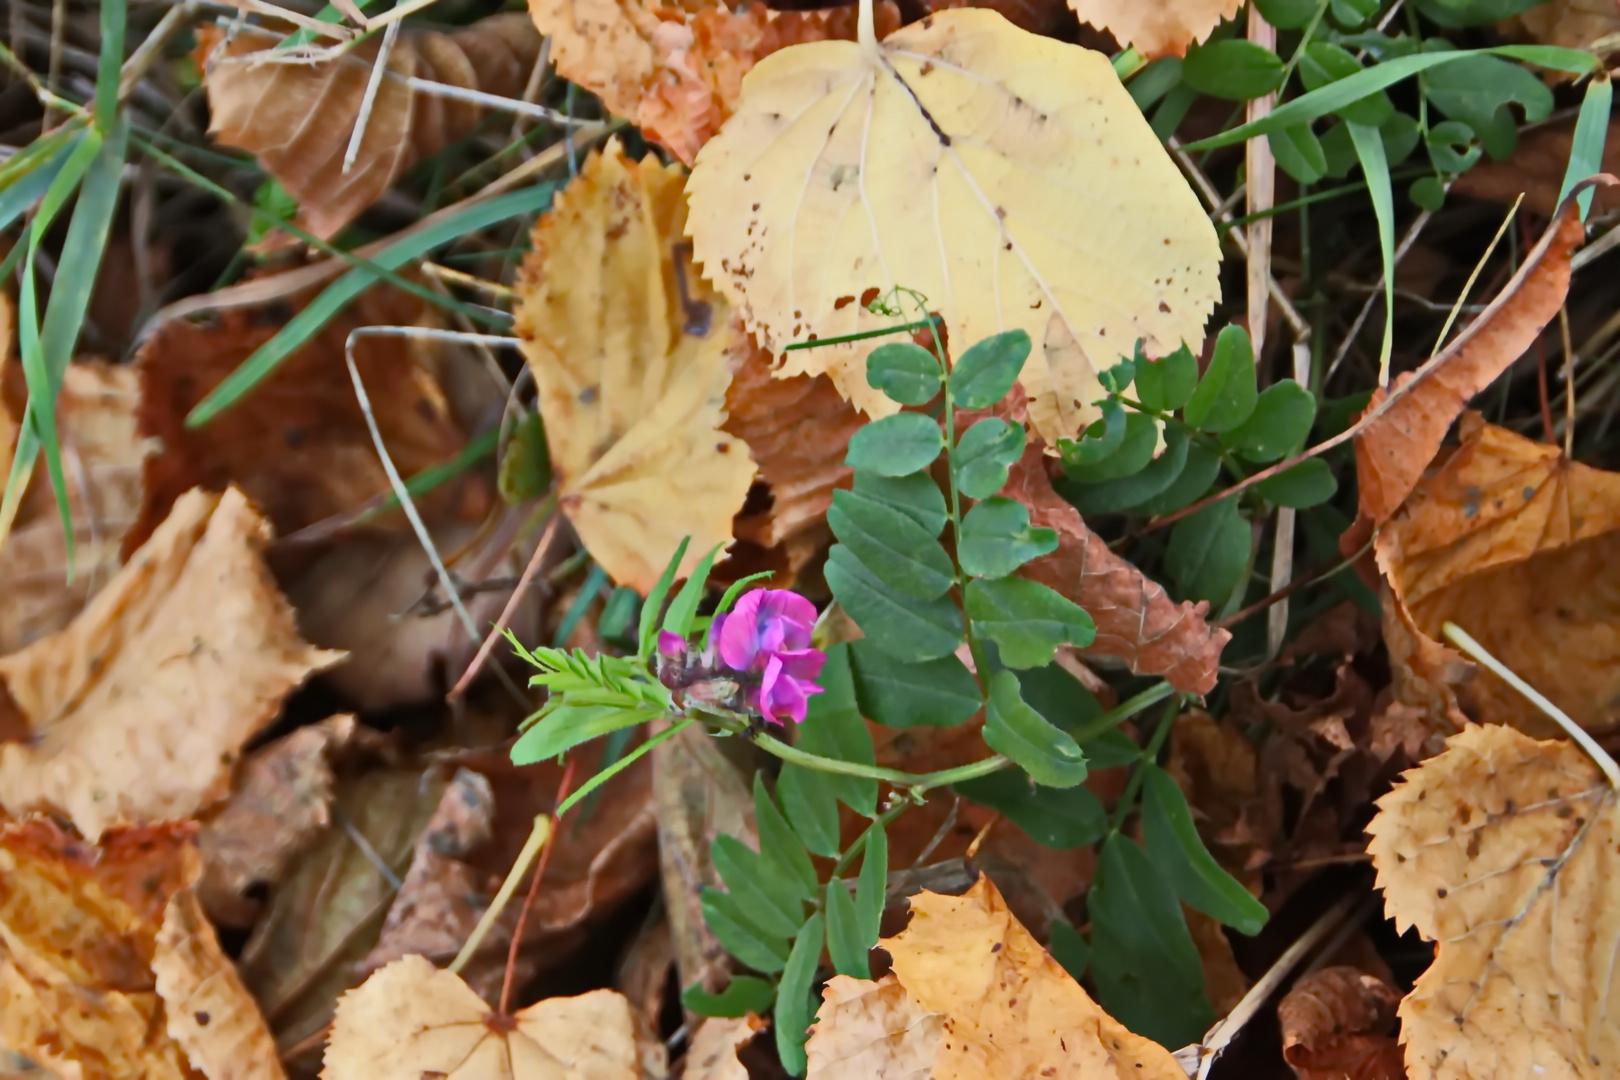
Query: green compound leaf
x=1100, y=441
x=1586, y=148
x=770, y=901
x=647, y=632
x=872, y=888
x=1112, y=496
x=744, y=994
x=795, y=1006
x=683, y=609
x=1203, y=465
x=984, y=454
x=742, y=939
x=1026, y=620
x=567, y=726
x=1132, y=456
x=896, y=445
x=1325, y=62
x=916, y=496
x=1178, y=851
x=1057, y=818
x=986, y=372
x=1014, y=729
x=833, y=728
x=1281, y=420
x=1299, y=153
x=1144, y=961
x=934, y=693
x=779, y=843
x=1233, y=69
x=1226, y=394
x=1166, y=384
x=908, y=628
x=1111, y=749
x=845, y=943
x=811, y=807
x=905, y=371
x=889, y=543
x=1451, y=147
x=1307, y=484
x=1478, y=90
x=997, y=538
x=1209, y=553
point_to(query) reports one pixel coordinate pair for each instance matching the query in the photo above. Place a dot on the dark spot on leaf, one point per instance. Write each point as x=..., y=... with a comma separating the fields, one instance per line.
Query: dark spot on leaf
x=843, y=302
x=202, y=1018
x=869, y=295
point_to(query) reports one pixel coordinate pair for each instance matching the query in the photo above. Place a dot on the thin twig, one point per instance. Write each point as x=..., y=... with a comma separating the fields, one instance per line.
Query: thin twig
x=534, y=891
x=512, y=602
x=1401, y=249
x=379, y=68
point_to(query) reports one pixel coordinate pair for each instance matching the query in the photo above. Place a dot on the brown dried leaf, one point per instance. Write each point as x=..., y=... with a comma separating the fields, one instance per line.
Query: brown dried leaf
x=713, y=1055
x=1504, y=851
x=411, y=1020
x=1573, y=24
x=110, y=969
x=1053, y=18
x=1393, y=451
x=1536, y=167
x=299, y=117
x=140, y=707
x=1520, y=547
x=298, y=446
x=1137, y=622
x=628, y=349
x=1335, y=1025
x=1157, y=28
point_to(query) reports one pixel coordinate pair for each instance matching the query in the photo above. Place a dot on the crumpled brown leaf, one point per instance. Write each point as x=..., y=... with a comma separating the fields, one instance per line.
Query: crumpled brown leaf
x=411, y=1020
x=1520, y=547
x=1335, y=1026
x=973, y=995
x=1573, y=24
x=713, y=1055
x=110, y=969
x=140, y=707
x=1218, y=770
x=676, y=70
x=1536, y=167
x=299, y=117
x=1156, y=27
x=1504, y=851
x=1137, y=622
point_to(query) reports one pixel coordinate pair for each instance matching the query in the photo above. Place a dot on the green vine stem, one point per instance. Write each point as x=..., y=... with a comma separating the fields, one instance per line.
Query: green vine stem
x=1150, y=753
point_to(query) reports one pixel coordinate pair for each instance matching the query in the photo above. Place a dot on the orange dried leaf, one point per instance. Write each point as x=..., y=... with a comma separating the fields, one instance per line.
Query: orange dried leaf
x=299, y=117
x=1536, y=167
x=1520, y=547
x=628, y=348
x=1573, y=24
x=1335, y=1025
x=140, y=707
x=1504, y=851
x=1156, y=27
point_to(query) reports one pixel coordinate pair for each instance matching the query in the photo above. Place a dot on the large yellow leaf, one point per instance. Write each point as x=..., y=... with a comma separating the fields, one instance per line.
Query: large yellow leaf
x=1503, y=851
x=1006, y=176
x=628, y=350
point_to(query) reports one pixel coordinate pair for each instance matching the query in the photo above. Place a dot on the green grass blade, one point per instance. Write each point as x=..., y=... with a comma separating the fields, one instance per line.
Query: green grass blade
x=109, y=66
x=26, y=178
x=1369, y=146
x=338, y=295
x=622, y=764
x=1586, y=150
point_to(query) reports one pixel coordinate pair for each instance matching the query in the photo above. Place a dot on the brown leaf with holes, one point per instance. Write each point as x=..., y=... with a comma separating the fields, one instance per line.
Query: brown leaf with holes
x=411, y=1020
x=1504, y=851
x=110, y=969
x=299, y=118
x=1137, y=622
x=1520, y=547
x=1335, y=1026
x=676, y=70
x=297, y=445
x=1156, y=27
x=1536, y=167
x=1393, y=451
x=139, y=708
x=973, y=996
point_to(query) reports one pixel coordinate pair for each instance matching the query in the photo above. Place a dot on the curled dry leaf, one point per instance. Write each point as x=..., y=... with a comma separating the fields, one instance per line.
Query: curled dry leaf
x=1158, y=28
x=832, y=183
x=298, y=116
x=713, y=1055
x=298, y=445
x=1520, y=547
x=140, y=707
x=1335, y=1026
x=1137, y=622
x=1503, y=850
x=973, y=997
x=1393, y=451
x=410, y=1020
x=628, y=349
x=110, y=969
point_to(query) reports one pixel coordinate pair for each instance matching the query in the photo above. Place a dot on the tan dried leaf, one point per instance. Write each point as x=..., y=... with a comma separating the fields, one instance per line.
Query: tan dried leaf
x=298, y=114
x=411, y=1019
x=1504, y=851
x=140, y=707
x=872, y=1031
x=628, y=349
x=1574, y=24
x=1536, y=167
x=1335, y=1026
x=713, y=1055
x=1157, y=27
x=1520, y=547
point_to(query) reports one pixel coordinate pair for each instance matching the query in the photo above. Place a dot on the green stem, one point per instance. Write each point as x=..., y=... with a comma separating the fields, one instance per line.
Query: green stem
x=1123, y=711
x=915, y=783
x=1150, y=753
x=882, y=821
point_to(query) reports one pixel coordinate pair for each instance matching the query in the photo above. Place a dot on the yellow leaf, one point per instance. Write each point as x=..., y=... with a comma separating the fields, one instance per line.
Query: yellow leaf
x=628, y=349
x=1156, y=27
x=974, y=997
x=1007, y=177
x=411, y=1019
x=1504, y=850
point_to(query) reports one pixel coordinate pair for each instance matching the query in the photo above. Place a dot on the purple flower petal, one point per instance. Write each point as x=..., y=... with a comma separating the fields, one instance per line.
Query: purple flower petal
x=803, y=664
x=738, y=637
x=779, y=692
x=671, y=645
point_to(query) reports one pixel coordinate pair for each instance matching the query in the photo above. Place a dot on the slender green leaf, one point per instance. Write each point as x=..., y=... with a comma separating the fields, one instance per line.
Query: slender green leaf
x=795, y=1007
x=897, y=694
x=1178, y=851
x=566, y=726
x=1054, y=817
x=896, y=445
x=905, y=371
x=1306, y=484
x=871, y=888
x=890, y=544
x=1226, y=394
x=779, y=844
x=907, y=628
x=744, y=994
x=846, y=945
x=916, y=496
x=1369, y=146
x=1165, y=384
x=1026, y=620
x=833, y=728
x=608, y=772
x=1033, y=743
x=1209, y=553
x=997, y=538
x=44, y=159
x=647, y=632
x=1586, y=149
x=1281, y=420
x=683, y=609
x=1112, y=496
x=724, y=917
x=769, y=900
x=811, y=807
x=110, y=63
x=985, y=373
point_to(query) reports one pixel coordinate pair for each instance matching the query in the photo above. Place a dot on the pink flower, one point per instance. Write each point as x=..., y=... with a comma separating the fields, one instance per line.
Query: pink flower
x=768, y=633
